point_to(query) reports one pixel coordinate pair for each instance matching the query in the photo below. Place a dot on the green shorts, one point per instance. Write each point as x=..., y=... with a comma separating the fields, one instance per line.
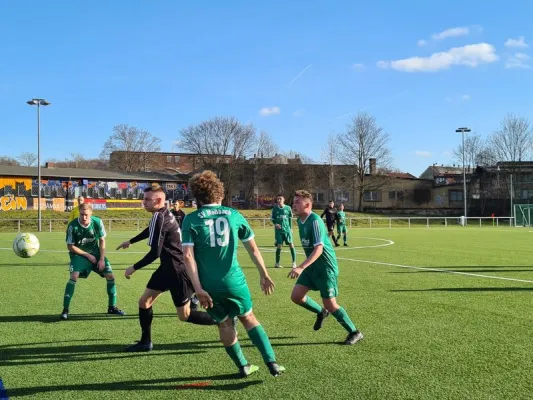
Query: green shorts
x=236, y=302
x=341, y=229
x=282, y=236
x=85, y=267
x=322, y=280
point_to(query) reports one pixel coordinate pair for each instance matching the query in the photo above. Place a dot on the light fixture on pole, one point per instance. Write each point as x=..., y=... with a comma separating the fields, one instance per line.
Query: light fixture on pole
x=462, y=131
x=38, y=103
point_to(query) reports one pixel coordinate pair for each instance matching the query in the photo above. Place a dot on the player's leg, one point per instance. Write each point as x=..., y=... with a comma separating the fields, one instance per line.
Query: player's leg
x=278, y=254
x=331, y=234
x=344, y=235
x=107, y=273
x=290, y=243
x=228, y=337
x=69, y=292
x=181, y=291
x=299, y=296
x=146, y=316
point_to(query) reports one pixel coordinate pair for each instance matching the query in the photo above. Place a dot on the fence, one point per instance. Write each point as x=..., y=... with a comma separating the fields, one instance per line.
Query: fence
x=137, y=224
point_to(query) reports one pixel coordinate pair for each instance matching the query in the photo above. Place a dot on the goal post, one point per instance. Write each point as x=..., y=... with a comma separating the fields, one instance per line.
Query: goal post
x=522, y=214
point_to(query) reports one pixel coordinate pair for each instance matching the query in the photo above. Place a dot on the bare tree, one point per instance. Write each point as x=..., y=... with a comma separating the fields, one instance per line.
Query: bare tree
x=477, y=152
x=514, y=140
x=225, y=143
x=329, y=159
x=134, y=146
x=77, y=160
x=266, y=147
x=5, y=160
x=292, y=154
x=27, y=159
x=362, y=141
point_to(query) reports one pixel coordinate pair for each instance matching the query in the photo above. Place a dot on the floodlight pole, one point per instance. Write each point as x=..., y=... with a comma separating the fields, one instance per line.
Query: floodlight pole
x=463, y=131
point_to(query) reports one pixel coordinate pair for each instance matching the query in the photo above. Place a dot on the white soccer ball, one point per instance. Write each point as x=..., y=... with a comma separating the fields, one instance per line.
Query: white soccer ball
x=26, y=245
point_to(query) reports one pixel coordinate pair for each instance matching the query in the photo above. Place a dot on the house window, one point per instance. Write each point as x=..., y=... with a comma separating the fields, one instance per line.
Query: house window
x=395, y=195
x=342, y=197
x=455, y=195
x=169, y=159
x=372, y=196
x=176, y=159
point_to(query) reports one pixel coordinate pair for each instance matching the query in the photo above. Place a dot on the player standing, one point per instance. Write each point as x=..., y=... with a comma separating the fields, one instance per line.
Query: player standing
x=282, y=220
x=331, y=216
x=86, y=245
x=319, y=271
x=210, y=239
x=341, y=224
x=177, y=212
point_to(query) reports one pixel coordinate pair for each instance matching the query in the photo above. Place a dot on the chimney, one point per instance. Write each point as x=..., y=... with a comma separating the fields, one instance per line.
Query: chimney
x=50, y=165
x=372, y=165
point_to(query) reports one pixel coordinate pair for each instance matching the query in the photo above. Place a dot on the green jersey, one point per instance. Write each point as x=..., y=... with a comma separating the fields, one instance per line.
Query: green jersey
x=312, y=233
x=282, y=216
x=87, y=237
x=341, y=218
x=215, y=231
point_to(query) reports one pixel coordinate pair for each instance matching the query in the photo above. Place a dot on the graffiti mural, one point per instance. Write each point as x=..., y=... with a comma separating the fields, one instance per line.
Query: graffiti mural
x=13, y=193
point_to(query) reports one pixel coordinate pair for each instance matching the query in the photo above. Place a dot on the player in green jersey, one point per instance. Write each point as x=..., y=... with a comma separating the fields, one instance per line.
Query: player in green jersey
x=210, y=239
x=282, y=220
x=86, y=246
x=320, y=270
x=341, y=224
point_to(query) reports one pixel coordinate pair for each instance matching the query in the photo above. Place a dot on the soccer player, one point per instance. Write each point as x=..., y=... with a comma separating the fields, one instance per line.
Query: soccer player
x=75, y=213
x=282, y=220
x=86, y=246
x=178, y=213
x=331, y=216
x=319, y=271
x=341, y=224
x=164, y=239
x=210, y=238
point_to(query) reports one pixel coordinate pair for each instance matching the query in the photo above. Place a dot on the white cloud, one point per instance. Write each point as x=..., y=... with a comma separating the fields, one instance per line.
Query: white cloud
x=358, y=67
x=452, y=32
x=423, y=153
x=298, y=113
x=422, y=43
x=518, y=60
x=268, y=111
x=520, y=42
x=465, y=97
x=470, y=55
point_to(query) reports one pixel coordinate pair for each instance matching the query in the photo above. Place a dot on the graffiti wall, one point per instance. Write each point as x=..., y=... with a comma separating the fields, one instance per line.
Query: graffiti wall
x=61, y=195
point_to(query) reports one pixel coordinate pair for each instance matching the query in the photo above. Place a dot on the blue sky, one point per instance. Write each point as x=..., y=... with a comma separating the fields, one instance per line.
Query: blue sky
x=163, y=65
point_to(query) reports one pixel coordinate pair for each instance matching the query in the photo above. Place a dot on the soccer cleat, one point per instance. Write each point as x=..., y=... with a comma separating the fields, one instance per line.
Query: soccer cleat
x=139, y=346
x=345, y=244
x=64, y=314
x=277, y=266
x=275, y=369
x=320, y=319
x=353, y=337
x=114, y=310
x=294, y=265
x=247, y=370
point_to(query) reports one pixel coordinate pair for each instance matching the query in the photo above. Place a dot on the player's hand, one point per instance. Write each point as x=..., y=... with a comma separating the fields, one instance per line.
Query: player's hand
x=129, y=272
x=205, y=300
x=91, y=258
x=124, y=245
x=295, y=273
x=278, y=226
x=267, y=285
x=101, y=265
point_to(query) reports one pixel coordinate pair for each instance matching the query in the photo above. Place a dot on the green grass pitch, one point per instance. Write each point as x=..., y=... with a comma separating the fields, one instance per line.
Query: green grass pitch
x=446, y=313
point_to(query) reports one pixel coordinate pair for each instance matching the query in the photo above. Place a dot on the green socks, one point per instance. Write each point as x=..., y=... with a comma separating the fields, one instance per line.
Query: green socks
x=69, y=292
x=342, y=317
x=260, y=340
x=235, y=352
x=278, y=253
x=111, y=292
x=293, y=254
x=311, y=305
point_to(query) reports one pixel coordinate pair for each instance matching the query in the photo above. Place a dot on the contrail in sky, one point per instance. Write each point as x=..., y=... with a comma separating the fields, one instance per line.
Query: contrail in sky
x=300, y=74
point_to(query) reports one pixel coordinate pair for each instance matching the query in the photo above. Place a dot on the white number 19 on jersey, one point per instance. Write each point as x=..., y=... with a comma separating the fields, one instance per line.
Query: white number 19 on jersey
x=218, y=231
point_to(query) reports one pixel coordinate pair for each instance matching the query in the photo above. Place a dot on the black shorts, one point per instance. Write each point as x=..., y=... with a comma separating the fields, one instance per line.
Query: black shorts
x=179, y=284
x=331, y=227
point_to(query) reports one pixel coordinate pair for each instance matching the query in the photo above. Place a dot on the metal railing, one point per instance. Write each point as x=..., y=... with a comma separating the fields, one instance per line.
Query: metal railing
x=137, y=224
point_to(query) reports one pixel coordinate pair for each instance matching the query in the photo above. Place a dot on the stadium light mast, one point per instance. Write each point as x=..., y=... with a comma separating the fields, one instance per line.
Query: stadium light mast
x=462, y=131
x=38, y=103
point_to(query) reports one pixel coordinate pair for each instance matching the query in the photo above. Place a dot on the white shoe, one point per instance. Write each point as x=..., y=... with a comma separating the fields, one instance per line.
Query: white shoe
x=294, y=265
x=277, y=266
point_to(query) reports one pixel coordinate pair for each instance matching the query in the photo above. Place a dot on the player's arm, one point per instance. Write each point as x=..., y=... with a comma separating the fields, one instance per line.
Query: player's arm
x=145, y=234
x=318, y=233
x=155, y=241
x=72, y=248
x=290, y=217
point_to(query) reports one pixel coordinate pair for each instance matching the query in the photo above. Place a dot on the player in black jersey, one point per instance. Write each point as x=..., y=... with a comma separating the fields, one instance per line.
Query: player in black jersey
x=331, y=217
x=178, y=212
x=164, y=239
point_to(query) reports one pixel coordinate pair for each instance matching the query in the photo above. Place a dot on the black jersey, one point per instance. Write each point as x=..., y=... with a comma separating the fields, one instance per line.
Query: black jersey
x=331, y=215
x=179, y=215
x=164, y=239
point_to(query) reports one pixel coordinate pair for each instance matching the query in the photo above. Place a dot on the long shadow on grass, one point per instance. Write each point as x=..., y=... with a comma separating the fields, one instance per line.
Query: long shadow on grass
x=457, y=269
x=16, y=355
x=484, y=289
x=54, y=318
x=141, y=385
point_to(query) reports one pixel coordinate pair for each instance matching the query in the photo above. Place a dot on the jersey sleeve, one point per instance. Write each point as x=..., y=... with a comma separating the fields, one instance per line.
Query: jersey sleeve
x=187, y=232
x=145, y=234
x=245, y=231
x=70, y=234
x=155, y=241
x=319, y=231
x=272, y=216
x=100, y=228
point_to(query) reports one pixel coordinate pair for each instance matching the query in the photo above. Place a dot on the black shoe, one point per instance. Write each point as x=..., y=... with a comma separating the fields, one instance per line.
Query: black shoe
x=353, y=337
x=320, y=319
x=336, y=244
x=247, y=370
x=64, y=314
x=275, y=369
x=140, y=347
x=114, y=310
x=345, y=244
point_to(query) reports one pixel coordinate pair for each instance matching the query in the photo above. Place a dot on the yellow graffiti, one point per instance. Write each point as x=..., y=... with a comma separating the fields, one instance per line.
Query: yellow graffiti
x=8, y=203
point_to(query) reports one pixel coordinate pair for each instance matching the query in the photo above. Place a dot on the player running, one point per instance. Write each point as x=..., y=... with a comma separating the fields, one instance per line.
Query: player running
x=331, y=216
x=282, y=220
